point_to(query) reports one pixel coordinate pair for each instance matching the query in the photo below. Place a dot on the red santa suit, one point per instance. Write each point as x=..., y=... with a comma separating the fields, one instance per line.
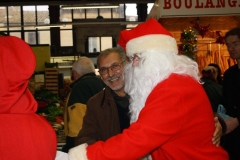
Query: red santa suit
x=23, y=134
x=176, y=121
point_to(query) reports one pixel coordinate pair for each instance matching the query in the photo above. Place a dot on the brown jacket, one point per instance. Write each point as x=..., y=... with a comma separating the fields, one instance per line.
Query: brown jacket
x=101, y=120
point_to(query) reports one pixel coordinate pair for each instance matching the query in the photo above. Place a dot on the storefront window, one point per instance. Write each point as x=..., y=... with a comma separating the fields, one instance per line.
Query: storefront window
x=29, y=17
x=14, y=17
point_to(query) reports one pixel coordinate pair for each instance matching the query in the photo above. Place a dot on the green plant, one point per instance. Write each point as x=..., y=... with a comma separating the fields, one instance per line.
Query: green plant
x=48, y=104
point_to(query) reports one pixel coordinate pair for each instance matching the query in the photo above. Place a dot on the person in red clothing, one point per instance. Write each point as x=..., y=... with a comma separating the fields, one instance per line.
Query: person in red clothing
x=171, y=116
x=24, y=135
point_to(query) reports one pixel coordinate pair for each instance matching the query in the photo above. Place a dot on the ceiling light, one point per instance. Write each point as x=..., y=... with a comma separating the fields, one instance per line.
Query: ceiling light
x=89, y=6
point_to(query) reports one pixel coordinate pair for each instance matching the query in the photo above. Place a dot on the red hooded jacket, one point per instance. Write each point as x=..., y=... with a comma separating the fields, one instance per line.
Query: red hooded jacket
x=23, y=133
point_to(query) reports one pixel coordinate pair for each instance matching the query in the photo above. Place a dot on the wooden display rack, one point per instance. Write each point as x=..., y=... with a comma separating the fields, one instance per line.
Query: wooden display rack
x=51, y=79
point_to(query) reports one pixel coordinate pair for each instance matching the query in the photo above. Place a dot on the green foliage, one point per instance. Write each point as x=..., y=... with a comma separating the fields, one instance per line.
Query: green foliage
x=188, y=46
x=51, y=109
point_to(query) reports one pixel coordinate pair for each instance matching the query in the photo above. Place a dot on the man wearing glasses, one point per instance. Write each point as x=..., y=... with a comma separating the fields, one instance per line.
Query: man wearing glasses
x=231, y=95
x=107, y=112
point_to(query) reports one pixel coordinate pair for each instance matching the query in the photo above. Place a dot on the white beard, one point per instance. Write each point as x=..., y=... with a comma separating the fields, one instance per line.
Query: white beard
x=154, y=67
x=136, y=89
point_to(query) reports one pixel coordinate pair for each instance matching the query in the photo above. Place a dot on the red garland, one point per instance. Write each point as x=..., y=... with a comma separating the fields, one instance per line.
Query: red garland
x=220, y=39
x=205, y=31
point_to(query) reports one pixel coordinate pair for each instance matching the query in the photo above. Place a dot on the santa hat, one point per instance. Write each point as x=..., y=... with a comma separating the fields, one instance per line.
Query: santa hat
x=147, y=35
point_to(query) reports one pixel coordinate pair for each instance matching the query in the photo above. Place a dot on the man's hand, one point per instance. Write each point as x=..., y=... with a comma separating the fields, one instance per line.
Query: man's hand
x=232, y=123
x=217, y=133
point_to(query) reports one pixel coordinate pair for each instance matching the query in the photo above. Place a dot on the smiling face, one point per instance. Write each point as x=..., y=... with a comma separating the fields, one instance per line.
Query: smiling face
x=113, y=78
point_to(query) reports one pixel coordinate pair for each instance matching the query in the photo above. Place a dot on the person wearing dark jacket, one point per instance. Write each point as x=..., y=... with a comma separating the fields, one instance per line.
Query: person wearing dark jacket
x=211, y=87
x=219, y=73
x=85, y=85
x=107, y=111
x=231, y=95
x=214, y=92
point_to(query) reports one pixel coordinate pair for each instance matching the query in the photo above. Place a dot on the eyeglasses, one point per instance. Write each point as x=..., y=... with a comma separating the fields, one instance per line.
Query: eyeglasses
x=113, y=67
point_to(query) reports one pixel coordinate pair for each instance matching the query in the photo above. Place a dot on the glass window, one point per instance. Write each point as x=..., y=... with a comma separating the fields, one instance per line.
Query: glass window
x=44, y=37
x=42, y=15
x=30, y=37
x=79, y=14
x=97, y=44
x=29, y=17
x=106, y=42
x=93, y=44
x=118, y=12
x=149, y=5
x=91, y=13
x=16, y=34
x=3, y=17
x=66, y=38
x=105, y=12
x=65, y=15
x=131, y=12
x=14, y=17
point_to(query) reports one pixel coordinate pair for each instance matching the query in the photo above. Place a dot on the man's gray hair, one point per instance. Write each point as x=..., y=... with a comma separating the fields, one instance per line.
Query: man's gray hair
x=83, y=66
x=119, y=50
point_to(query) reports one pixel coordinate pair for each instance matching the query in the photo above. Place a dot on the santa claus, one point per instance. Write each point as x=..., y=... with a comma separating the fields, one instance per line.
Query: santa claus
x=171, y=117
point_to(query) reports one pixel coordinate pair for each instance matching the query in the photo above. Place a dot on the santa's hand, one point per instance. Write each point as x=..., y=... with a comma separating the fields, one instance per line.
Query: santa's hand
x=78, y=152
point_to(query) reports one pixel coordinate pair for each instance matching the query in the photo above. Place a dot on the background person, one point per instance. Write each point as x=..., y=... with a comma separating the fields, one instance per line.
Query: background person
x=85, y=85
x=212, y=88
x=231, y=93
x=64, y=93
x=219, y=73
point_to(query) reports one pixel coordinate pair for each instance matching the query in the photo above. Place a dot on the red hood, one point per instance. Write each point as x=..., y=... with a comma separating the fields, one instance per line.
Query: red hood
x=17, y=64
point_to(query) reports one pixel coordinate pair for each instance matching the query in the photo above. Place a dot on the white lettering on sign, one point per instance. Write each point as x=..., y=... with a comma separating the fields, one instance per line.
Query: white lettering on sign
x=199, y=7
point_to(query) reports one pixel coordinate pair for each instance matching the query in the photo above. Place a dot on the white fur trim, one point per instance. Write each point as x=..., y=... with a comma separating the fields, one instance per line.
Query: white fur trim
x=152, y=41
x=78, y=152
